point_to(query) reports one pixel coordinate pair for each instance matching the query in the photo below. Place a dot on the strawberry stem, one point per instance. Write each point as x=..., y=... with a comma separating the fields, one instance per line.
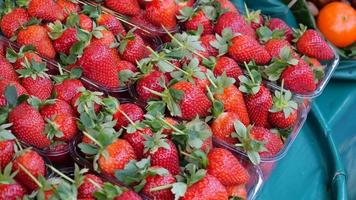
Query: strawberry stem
x=154, y=92
x=162, y=187
x=211, y=96
x=127, y=117
x=249, y=72
x=94, y=183
x=211, y=81
x=30, y=175
x=61, y=174
x=171, y=126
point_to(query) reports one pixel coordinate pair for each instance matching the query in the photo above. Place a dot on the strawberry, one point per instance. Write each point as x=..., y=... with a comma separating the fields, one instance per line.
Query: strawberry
x=278, y=24
x=208, y=188
x=125, y=7
x=136, y=139
x=111, y=23
x=85, y=22
x=235, y=22
x=133, y=111
x=150, y=81
x=206, y=44
x=7, y=151
x=9, y=26
x=184, y=3
x=47, y=10
x=223, y=126
x=284, y=111
x=193, y=19
x=275, y=46
x=129, y=194
x=238, y=191
x=310, y=43
x=28, y=125
x=99, y=64
x=162, y=152
x=110, y=191
x=36, y=35
x=35, y=79
x=125, y=65
x=87, y=188
x=51, y=108
x=61, y=127
x=273, y=142
x=33, y=163
x=9, y=188
x=226, y=168
x=227, y=5
x=254, y=18
x=168, y=131
x=318, y=69
x=106, y=37
x=258, y=98
x=141, y=20
x=228, y=66
x=68, y=7
x=162, y=13
x=153, y=181
x=3, y=46
x=120, y=152
x=67, y=89
x=4, y=84
x=7, y=72
x=18, y=58
x=63, y=39
x=233, y=101
x=132, y=47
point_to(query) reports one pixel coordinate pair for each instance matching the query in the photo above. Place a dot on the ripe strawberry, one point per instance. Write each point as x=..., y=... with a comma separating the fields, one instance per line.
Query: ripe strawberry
x=168, y=131
x=162, y=151
x=63, y=39
x=111, y=23
x=61, y=127
x=233, y=101
x=278, y=24
x=238, y=191
x=35, y=79
x=141, y=20
x=4, y=84
x=68, y=7
x=132, y=47
x=223, y=126
x=99, y=63
x=133, y=111
x=47, y=10
x=37, y=36
x=33, y=163
x=67, y=89
x=228, y=66
x=226, y=168
x=7, y=72
x=55, y=107
x=18, y=58
x=120, y=152
x=227, y=5
x=310, y=43
x=153, y=181
x=275, y=46
x=273, y=143
x=87, y=188
x=9, y=188
x=28, y=125
x=162, y=13
x=235, y=22
x=136, y=139
x=85, y=22
x=206, y=44
x=125, y=7
x=107, y=37
x=9, y=26
x=317, y=68
x=7, y=152
x=208, y=188
x=193, y=19
x=128, y=194
x=125, y=65
x=150, y=81
x=3, y=46
x=299, y=78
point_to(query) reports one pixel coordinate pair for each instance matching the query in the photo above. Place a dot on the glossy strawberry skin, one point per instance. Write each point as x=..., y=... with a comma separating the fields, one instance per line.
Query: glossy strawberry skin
x=67, y=89
x=65, y=41
x=133, y=111
x=277, y=119
x=223, y=127
x=194, y=102
x=162, y=13
x=227, y=5
x=150, y=81
x=48, y=10
x=37, y=36
x=155, y=181
x=237, y=191
x=7, y=152
x=199, y=18
x=229, y=66
x=9, y=26
x=273, y=142
x=278, y=24
x=3, y=84
x=125, y=7
x=137, y=140
x=135, y=50
x=29, y=56
x=68, y=7
x=85, y=22
x=208, y=188
x=7, y=72
x=12, y=191
x=274, y=47
x=120, y=153
x=67, y=125
x=87, y=188
x=28, y=125
x=126, y=65
x=57, y=108
x=128, y=194
x=226, y=168
x=111, y=23
x=107, y=39
x=258, y=106
x=236, y=23
x=34, y=164
x=313, y=45
x=205, y=42
x=39, y=87
x=246, y=49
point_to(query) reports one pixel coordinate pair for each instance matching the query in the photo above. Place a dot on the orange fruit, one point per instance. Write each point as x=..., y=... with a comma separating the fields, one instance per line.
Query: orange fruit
x=337, y=21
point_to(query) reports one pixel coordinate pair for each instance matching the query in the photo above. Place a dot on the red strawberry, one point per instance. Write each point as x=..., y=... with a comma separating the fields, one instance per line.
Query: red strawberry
x=275, y=46
x=133, y=111
x=310, y=43
x=99, y=63
x=227, y=5
x=107, y=37
x=7, y=152
x=226, y=168
x=236, y=23
x=278, y=24
x=125, y=65
x=317, y=67
x=132, y=47
x=67, y=89
x=125, y=7
x=206, y=44
x=7, y=72
x=61, y=127
x=111, y=23
x=162, y=152
x=208, y=188
x=47, y=10
x=223, y=126
x=9, y=188
x=273, y=143
x=3, y=84
x=56, y=107
x=63, y=39
x=85, y=22
x=9, y=26
x=233, y=101
x=141, y=20
x=128, y=194
x=168, y=131
x=299, y=78
x=87, y=188
x=136, y=139
x=228, y=66
x=68, y=7
x=254, y=18
x=37, y=36
x=192, y=20
x=237, y=191
x=28, y=125
x=120, y=152
x=3, y=46
x=33, y=163
x=18, y=58
x=162, y=13
x=150, y=81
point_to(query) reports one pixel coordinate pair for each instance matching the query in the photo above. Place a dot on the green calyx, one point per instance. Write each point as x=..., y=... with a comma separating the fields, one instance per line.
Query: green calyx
x=33, y=70
x=72, y=20
x=75, y=73
x=124, y=40
x=189, y=72
x=252, y=16
x=297, y=33
x=56, y=30
x=92, y=11
x=186, y=14
x=12, y=100
x=252, y=84
x=108, y=191
x=282, y=101
x=265, y=34
x=7, y=176
x=52, y=130
x=87, y=100
x=12, y=55
x=251, y=146
x=5, y=133
x=153, y=143
x=223, y=42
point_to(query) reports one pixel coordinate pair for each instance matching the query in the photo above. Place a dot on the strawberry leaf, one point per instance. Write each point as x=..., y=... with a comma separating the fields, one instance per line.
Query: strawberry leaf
x=179, y=189
x=11, y=95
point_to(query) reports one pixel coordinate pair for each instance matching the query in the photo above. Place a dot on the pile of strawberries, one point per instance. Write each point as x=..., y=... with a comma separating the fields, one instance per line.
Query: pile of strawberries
x=206, y=87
